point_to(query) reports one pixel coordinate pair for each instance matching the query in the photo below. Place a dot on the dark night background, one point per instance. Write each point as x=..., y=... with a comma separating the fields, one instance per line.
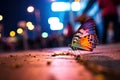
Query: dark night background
x=14, y=11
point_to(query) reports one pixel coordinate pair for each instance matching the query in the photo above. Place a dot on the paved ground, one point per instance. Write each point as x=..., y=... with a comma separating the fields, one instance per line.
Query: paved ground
x=62, y=64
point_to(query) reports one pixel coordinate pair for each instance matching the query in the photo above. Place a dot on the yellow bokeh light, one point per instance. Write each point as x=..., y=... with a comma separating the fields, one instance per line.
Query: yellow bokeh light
x=31, y=27
x=28, y=24
x=12, y=33
x=19, y=30
x=77, y=0
x=1, y=17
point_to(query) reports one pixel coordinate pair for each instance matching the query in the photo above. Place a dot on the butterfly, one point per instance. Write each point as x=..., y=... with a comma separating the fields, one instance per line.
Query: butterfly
x=85, y=38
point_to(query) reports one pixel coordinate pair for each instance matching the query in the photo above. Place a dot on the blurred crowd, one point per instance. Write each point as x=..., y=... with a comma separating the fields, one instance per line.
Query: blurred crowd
x=19, y=42
x=110, y=12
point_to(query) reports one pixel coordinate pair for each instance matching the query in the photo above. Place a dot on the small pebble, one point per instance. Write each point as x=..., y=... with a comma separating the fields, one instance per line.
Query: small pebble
x=10, y=55
x=17, y=66
x=49, y=62
x=34, y=56
x=29, y=55
x=53, y=55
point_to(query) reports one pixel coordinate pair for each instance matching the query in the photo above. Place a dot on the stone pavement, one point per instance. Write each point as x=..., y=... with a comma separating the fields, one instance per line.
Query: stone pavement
x=62, y=64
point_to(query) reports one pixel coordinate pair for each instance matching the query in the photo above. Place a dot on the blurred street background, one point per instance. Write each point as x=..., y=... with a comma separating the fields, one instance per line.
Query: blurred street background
x=33, y=31
x=29, y=24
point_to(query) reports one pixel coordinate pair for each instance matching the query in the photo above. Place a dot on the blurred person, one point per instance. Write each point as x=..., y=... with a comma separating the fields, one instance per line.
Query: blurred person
x=61, y=40
x=55, y=37
x=19, y=44
x=1, y=44
x=109, y=14
x=68, y=33
x=110, y=33
x=118, y=9
x=38, y=40
x=85, y=38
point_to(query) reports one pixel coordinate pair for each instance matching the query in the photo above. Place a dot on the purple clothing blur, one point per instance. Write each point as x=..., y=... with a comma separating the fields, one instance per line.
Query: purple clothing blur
x=108, y=7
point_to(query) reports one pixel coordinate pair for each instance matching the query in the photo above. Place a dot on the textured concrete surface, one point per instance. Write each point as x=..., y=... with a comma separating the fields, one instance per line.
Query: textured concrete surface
x=62, y=64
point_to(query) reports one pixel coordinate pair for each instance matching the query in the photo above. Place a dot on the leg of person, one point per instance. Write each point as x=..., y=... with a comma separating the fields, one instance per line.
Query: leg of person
x=105, y=27
x=116, y=28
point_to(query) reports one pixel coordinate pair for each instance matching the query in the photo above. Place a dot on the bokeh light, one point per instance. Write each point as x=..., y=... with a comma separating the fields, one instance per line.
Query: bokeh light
x=65, y=6
x=75, y=6
x=30, y=9
x=65, y=31
x=52, y=20
x=60, y=6
x=55, y=23
x=56, y=26
x=52, y=0
x=1, y=17
x=44, y=35
x=12, y=33
x=28, y=23
x=31, y=27
x=77, y=0
x=19, y=30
